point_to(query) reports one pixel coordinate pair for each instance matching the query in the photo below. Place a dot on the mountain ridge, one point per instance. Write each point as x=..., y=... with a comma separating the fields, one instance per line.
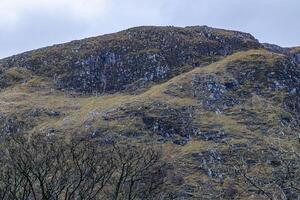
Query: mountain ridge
x=105, y=56
x=223, y=108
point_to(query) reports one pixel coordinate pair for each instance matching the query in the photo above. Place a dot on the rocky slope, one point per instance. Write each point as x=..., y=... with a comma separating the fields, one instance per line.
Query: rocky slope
x=135, y=56
x=218, y=102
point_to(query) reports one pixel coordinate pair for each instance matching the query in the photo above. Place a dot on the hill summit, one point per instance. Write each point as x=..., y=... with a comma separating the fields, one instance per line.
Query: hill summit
x=223, y=108
x=133, y=57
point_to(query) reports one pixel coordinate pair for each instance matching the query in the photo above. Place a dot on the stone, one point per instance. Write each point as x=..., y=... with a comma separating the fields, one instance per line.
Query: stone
x=297, y=57
x=216, y=136
x=180, y=142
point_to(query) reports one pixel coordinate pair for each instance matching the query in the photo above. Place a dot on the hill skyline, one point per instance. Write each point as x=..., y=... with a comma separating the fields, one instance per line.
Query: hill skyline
x=167, y=112
x=33, y=24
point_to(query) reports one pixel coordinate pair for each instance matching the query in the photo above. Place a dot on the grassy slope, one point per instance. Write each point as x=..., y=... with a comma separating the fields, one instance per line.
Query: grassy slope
x=117, y=113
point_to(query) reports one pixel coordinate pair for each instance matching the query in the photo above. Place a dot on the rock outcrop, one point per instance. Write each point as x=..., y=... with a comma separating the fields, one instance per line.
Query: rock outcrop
x=223, y=108
x=131, y=58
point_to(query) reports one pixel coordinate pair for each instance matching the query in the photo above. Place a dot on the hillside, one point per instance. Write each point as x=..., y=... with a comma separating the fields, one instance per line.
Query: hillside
x=134, y=57
x=223, y=108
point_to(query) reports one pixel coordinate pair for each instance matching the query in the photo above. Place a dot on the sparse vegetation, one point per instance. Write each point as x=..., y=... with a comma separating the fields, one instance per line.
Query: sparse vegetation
x=83, y=120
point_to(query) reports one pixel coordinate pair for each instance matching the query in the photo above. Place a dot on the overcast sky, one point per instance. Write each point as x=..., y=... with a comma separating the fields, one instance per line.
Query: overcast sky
x=30, y=24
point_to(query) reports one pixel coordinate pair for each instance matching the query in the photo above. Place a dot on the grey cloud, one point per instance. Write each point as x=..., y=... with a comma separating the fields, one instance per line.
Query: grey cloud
x=274, y=21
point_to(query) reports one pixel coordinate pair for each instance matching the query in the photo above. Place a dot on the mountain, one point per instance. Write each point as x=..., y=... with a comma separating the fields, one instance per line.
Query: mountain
x=116, y=62
x=223, y=107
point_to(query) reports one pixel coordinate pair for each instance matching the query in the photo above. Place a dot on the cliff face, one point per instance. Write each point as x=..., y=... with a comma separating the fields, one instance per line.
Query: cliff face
x=134, y=57
x=223, y=107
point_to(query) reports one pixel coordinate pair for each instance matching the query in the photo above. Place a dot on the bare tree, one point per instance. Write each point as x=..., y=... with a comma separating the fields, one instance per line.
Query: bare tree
x=50, y=168
x=276, y=175
x=140, y=174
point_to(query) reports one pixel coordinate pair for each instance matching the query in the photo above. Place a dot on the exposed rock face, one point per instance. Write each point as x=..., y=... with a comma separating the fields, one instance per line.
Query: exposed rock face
x=11, y=125
x=212, y=93
x=295, y=54
x=275, y=48
x=297, y=57
x=215, y=101
x=262, y=77
x=136, y=56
